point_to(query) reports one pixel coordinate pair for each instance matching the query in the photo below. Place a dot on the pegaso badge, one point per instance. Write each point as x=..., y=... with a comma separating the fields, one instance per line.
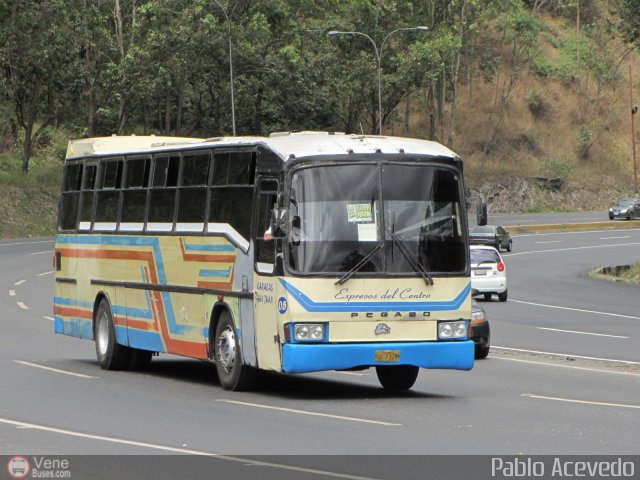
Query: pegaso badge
x=382, y=329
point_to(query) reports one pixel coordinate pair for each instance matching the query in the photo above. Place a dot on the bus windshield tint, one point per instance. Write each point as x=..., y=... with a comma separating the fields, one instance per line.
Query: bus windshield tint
x=340, y=213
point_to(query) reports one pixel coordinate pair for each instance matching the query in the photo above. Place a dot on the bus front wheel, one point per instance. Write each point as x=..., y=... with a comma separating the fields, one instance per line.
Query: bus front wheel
x=111, y=355
x=232, y=373
x=397, y=377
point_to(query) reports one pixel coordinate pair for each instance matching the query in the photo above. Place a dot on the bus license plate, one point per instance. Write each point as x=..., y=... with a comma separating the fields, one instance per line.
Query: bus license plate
x=389, y=356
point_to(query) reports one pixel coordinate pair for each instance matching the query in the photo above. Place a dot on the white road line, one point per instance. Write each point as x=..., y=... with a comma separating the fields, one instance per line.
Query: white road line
x=586, y=402
x=19, y=282
x=571, y=355
x=134, y=443
x=595, y=312
x=12, y=293
x=614, y=238
x=23, y=306
x=56, y=370
x=305, y=412
x=51, y=319
x=575, y=232
x=573, y=367
x=42, y=253
x=572, y=248
x=45, y=273
x=25, y=243
x=353, y=373
x=580, y=333
x=551, y=241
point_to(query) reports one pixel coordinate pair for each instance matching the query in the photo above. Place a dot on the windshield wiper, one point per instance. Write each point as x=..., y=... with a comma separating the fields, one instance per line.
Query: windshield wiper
x=418, y=266
x=359, y=265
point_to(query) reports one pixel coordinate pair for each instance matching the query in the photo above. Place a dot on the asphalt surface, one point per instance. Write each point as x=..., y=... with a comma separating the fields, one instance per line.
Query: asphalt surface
x=577, y=395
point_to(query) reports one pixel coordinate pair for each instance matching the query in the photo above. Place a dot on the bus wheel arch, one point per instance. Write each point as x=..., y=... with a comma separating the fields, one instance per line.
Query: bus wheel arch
x=111, y=355
x=226, y=351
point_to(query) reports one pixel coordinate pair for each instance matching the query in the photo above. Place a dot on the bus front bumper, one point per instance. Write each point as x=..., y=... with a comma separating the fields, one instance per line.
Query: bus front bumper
x=315, y=357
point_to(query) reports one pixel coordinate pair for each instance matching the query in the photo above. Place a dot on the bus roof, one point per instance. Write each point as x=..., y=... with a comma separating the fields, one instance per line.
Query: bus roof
x=288, y=145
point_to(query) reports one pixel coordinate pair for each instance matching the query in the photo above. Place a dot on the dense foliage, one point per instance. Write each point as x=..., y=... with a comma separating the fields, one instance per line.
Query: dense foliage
x=99, y=67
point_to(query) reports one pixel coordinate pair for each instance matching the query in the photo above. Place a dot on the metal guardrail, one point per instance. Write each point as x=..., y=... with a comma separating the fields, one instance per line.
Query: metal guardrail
x=573, y=227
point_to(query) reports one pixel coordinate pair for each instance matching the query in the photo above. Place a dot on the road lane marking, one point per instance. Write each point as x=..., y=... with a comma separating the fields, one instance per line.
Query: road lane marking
x=615, y=238
x=353, y=373
x=19, y=282
x=23, y=306
x=595, y=312
x=134, y=443
x=626, y=230
x=41, y=253
x=551, y=241
x=56, y=370
x=626, y=362
x=574, y=367
x=315, y=414
x=51, y=319
x=45, y=273
x=12, y=293
x=25, y=243
x=580, y=333
x=586, y=402
x=572, y=248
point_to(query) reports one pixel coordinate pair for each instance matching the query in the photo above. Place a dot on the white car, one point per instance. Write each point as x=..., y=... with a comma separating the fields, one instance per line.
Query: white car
x=488, y=272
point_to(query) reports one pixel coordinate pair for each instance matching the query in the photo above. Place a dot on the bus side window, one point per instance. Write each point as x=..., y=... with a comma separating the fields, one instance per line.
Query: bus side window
x=265, y=248
x=108, y=197
x=70, y=196
x=88, y=188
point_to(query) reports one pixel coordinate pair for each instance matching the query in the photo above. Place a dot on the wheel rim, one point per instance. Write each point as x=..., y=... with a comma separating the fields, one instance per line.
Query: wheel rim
x=226, y=350
x=103, y=334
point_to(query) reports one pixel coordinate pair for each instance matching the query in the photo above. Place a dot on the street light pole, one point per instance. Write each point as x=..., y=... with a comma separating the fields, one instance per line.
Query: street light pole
x=634, y=110
x=233, y=107
x=378, y=53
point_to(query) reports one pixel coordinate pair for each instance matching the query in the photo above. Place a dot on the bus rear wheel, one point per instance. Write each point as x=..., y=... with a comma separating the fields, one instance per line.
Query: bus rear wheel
x=397, y=377
x=111, y=355
x=232, y=373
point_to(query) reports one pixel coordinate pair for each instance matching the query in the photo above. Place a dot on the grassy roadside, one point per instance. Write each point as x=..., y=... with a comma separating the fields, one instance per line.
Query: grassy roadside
x=29, y=203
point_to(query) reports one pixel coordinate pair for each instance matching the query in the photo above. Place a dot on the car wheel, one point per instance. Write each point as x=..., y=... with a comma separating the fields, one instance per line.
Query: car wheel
x=232, y=373
x=111, y=355
x=610, y=217
x=502, y=296
x=630, y=216
x=487, y=297
x=481, y=352
x=400, y=377
x=510, y=246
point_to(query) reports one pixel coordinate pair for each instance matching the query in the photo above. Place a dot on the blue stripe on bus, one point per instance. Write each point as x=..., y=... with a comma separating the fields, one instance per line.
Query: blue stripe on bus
x=311, y=306
x=145, y=340
x=208, y=248
x=76, y=327
x=72, y=302
x=215, y=273
x=129, y=241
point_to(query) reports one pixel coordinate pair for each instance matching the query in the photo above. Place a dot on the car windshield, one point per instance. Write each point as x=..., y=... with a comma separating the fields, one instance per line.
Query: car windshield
x=484, y=255
x=483, y=229
x=625, y=203
x=408, y=213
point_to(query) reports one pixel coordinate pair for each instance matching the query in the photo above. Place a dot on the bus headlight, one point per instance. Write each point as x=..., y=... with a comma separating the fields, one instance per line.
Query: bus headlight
x=308, y=332
x=452, y=330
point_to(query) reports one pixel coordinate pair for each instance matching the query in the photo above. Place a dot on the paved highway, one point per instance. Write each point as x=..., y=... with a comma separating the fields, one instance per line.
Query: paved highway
x=564, y=378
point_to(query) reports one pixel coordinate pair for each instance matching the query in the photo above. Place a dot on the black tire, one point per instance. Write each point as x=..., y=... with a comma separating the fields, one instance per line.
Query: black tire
x=481, y=352
x=397, y=377
x=487, y=297
x=630, y=216
x=610, y=217
x=232, y=372
x=111, y=355
x=139, y=359
x=502, y=297
x=510, y=246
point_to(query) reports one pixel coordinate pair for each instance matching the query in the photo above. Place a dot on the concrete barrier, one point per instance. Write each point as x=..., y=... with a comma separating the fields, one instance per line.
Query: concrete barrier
x=573, y=227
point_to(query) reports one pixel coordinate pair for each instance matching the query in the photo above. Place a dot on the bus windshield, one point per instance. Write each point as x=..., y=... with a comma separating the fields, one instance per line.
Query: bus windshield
x=341, y=213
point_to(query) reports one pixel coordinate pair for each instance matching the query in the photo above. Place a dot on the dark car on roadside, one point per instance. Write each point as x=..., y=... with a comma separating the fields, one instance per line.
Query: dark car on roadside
x=627, y=208
x=480, y=332
x=492, y=235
